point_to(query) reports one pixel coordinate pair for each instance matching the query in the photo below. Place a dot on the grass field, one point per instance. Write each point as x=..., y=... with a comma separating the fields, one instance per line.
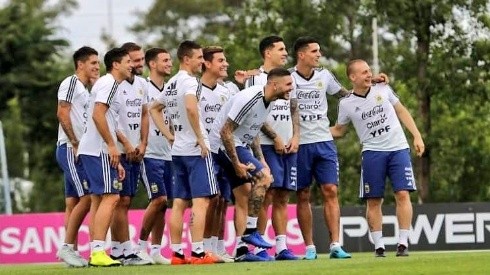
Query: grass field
x=461, y=262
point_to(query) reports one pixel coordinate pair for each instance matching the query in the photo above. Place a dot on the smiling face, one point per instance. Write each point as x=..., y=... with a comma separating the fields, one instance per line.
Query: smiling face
x=90, y=67
x=124, y=67
x=277, y=55
x=360, y=75
x=310, y=55
x=195, y=61
x=218, y=65
x=282, y=86
x=163, y=64
x=137, y=61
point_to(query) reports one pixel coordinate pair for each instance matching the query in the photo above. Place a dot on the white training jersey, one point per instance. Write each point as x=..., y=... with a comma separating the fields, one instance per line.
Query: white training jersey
x=212, y=99
x=279, y=117
x=132, y=96
x=104, y=91
x=312, y=104
x=74, y=92
x=232, y=87
x=374, y=118
x=249, y=110
x=158, y=146
x=173, y=97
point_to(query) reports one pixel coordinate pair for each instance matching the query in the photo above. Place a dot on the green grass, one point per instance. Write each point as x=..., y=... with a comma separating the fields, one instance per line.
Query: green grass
x=473, y=262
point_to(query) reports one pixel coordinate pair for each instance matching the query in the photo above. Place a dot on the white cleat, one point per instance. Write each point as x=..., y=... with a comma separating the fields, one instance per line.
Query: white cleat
x=226, y=258
x=138, y=258
x=159, y=259
x=70, y=257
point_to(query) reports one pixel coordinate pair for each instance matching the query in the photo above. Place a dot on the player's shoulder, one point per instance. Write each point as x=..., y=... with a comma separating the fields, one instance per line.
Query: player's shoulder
x=347, y=98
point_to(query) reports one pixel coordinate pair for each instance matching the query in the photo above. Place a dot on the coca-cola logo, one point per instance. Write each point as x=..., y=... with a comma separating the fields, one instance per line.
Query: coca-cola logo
x=212, y=108
x=308, y=94
x=376, y=110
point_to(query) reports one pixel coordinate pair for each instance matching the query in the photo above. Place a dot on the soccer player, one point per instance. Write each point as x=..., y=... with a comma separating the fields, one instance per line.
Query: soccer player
x=193, y=167
x=279, y=140
x=213, y=96
x=317, y=154
x=132, y=134
x=156, y=168
x=73, y=101
x=99, y=154
x=234, y=133
x=376, y=112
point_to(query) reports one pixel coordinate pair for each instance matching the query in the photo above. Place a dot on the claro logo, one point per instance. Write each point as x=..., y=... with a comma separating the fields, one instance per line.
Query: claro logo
x=454, y=228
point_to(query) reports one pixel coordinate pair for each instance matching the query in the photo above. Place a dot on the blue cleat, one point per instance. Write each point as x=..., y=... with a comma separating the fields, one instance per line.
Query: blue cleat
x=249, y=257
x=310, y=254
x=338, y=253
x=256, y=240
x=264, y=255
x=286, y=255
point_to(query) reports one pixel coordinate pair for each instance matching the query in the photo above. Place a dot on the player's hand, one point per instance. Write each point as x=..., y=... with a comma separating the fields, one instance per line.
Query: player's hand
x=114, y=156
x=140, y=152
x=131, y=152
x=170, y=139
x=241, y=75
x=419, y=146
x=381, y=78
x=293, y=145
x=241, y=170
x=279, y=145
x=74, y=147
x=121, y=173
x=204, y=149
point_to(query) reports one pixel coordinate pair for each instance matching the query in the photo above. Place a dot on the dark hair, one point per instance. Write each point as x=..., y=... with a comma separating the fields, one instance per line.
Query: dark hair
x=185, y=49
x=114, y=55
x=152, y=54
x=208, y=53
x=83, y=54
x=268, y=43
x=131, y=47
x=351, y=63
x=277, y=72
x=302, y=43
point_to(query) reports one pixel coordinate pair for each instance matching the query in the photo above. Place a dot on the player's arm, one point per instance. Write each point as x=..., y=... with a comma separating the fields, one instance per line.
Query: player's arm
x=407, y=120
x=100, y=109
x=63, y=114
x=279, y=145
x=226, y=134
x=338, y=130
x=342, y=92
x=145, y=128
x=381, y=78
x=293, y=145
x=156, y=113
x=191, y=108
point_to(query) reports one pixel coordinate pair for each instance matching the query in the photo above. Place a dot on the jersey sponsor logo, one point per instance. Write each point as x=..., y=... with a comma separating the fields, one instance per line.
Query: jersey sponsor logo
x=308, y=94
x=278, y=107
x=171, y=89
x=255, y=126
x=376, y=110
x=380, y=131
x=134, y=126
x=133, y=114
x=314, y=106
x=212, y=108
x=377, y=122
x=311, y=117
x=280, y=117
x=134, y=103
x=172, y=103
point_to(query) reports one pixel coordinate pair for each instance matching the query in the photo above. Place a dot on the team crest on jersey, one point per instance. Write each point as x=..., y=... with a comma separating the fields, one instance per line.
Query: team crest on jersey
x=366, y=188
x=85, y=185
x=222, y=98
x=154, y=188
x=140, y=92
x=117, y=185
x=379, y=99
x=319, y=85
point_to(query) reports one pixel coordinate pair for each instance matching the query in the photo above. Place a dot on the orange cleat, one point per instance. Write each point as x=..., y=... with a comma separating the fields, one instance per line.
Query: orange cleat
x=178, y=260
x=206, y=259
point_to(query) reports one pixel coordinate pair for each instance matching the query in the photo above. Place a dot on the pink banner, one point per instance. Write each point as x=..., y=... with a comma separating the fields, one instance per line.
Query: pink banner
x=35, y=238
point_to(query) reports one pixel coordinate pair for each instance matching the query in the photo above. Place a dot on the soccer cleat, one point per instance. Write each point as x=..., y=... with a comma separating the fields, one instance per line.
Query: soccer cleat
x=136, y=259
x=249, y=257
x=310, y=254
x=101, y=259
x=208, y=258
x=401, y=250
x=70, y=257
x=338, y=253
x=256, y=240
x=227, y=258
x=159, y=259
x=144, y=256
x=82, y=259
x=379, y=252
x=264, y=255
x=286, y=255
x=178, y=259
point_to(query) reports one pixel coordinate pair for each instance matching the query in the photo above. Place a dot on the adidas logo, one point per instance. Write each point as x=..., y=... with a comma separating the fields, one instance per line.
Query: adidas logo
x=203, y=99
x=358, y=109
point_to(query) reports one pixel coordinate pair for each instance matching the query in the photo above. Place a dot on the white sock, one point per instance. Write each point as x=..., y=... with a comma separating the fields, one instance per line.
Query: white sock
x=177, y=248
x=127, y=248
x=116, y=249
x=311, y=247
x=281, y=243
x=214, y=244
x=70, y=245
x=378, y=239
x=155, y=249
x=142, y=245
x=207, y=244
x=334, y=245
x=198, y=247
x=252, y=222
x=96, y=246
x=220, y=247
x=403, y=237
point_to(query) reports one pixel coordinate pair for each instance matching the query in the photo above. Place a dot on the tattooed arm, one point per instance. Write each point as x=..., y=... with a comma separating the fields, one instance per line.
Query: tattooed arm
x=293, y=144
x=229, y=143
x=279, y=146
x=64, y=119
